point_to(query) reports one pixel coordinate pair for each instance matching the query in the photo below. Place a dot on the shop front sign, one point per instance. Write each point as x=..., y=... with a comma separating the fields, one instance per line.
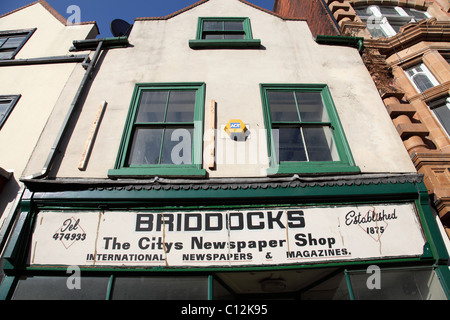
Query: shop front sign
x=266, y=236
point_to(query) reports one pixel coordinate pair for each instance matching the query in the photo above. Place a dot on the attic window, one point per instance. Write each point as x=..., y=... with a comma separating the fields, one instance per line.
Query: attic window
x=222, y=33
x=386, y=21
x=12, y=41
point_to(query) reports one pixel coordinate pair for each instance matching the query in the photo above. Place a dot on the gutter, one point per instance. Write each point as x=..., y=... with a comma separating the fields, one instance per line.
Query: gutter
x=108, y=43
x=354, y=42
x=98, y=45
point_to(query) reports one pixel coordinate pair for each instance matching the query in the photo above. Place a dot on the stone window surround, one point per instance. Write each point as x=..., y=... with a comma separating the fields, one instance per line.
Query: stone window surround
x=438, y=66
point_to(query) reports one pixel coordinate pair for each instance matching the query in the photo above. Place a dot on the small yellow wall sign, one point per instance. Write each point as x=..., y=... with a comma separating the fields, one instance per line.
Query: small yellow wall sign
x=236, y=129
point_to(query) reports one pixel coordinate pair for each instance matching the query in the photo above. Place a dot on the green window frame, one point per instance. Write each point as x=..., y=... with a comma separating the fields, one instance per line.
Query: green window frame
x=304, y=133
x=223, y=33
x=163, y=118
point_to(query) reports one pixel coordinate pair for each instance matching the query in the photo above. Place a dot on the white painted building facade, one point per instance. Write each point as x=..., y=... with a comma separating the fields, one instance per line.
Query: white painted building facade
x=316, y=187
x=35, y=67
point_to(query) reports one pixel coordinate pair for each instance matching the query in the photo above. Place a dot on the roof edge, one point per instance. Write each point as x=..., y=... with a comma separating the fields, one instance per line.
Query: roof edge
x=204, y=1
x=158, y=183
x=51, y=10
x=174, y=13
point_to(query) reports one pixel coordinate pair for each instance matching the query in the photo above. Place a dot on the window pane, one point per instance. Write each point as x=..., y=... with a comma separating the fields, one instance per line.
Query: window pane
x=13, y=42
x=177, y=148
x=160, y=288
x=213, y=36
x=422, y=82
x=311, y=107
x=399, y=285
x=152, y=106
x=220, y=292
x=363, y=11
x=181, y=106
x=146, y=146
x=282, y=106
x=320, y=144
x=212, y=25
x=418, y=15
x=234, y=25
x=55, y=288
x=388, y=11
x=6, y=54
x=396, y=25
x=234, y=36
x=291, y=146
x=2, y=41
x=4, y=106
x=375, y=30
x=442, y=112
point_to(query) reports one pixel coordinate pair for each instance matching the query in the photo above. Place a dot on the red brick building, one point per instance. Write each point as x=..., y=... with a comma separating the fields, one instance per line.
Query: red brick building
x=407, y=52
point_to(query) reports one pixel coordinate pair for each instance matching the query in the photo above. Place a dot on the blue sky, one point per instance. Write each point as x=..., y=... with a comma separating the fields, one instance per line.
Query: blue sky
x=104, y=11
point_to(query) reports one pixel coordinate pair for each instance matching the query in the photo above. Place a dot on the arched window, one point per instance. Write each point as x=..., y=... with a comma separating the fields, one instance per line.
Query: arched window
x=441, y=109
x=421, y=77
x=385, y=21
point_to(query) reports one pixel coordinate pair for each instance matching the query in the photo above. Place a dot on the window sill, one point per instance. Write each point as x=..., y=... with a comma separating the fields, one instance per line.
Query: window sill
x=312, y=169
x=153, y=172
x=225, y=44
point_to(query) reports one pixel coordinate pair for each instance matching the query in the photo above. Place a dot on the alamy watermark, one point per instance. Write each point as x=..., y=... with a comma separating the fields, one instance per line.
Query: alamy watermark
x=374, y=280
x=251, y=149
x=375, y=17
x=75, y=14
x=74, y=280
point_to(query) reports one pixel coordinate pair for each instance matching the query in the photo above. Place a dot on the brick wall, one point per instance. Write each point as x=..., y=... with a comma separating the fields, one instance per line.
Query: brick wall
x=315, y=12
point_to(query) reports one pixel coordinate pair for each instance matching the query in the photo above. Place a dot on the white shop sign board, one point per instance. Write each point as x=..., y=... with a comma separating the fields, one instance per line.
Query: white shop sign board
x=250, y=237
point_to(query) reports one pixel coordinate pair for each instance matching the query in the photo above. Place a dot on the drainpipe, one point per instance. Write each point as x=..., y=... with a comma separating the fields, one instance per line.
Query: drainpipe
x=355, y=42
x=62, y=131
x=99, y=45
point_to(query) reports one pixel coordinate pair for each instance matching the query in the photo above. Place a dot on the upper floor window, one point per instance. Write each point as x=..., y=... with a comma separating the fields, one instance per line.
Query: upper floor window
x=7, y=104
x=441, y=109
x=384, y=21
x=164, y=131
x=230, y=32
x=12, y=41
x=421, y=77
x=305, y=134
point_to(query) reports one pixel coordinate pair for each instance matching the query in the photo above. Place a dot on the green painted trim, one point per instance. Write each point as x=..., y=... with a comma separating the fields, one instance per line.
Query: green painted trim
x=122, y=170
x=245, y=22
x=179, y=171
x=6, y=286
x=436, y=243
x=346, y=163
x=14, y=251
x=328, y=167
x=430, y=227
x=355, y=42
x=109, y=288
x=210, y=287
x=143, y=198
x=225, y=44
x=399, y=262
x=248, y=41
x=134, y=199
x=349, y=285
x=443, y=273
